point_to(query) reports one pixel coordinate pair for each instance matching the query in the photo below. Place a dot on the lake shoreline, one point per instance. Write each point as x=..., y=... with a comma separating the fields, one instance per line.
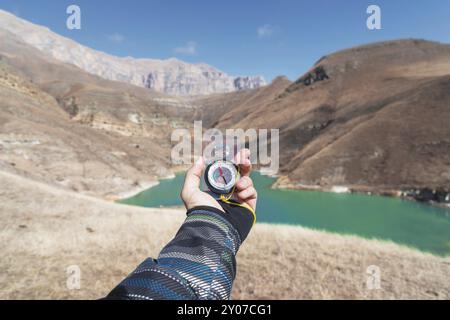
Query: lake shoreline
x=283, y=182
x=412, y=193
x=335, y=209
x=139, y=188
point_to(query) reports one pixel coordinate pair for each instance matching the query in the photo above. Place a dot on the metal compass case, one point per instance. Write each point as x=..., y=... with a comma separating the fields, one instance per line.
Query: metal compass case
x=221, y=174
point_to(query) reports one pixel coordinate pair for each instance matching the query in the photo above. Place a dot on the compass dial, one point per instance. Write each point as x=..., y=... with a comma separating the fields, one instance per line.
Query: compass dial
x=221, y=176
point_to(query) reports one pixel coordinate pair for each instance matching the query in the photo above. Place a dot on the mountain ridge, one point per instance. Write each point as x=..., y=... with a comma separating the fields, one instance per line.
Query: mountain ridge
x=171, y=76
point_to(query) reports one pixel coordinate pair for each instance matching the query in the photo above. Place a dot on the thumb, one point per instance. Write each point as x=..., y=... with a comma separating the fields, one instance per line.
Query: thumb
x=192, y=179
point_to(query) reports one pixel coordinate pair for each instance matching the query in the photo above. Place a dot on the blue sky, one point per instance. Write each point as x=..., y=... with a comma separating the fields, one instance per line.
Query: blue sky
x=270, y=38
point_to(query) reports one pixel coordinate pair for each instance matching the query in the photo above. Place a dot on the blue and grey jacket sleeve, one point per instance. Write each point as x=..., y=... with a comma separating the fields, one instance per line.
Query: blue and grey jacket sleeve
x=199, y=263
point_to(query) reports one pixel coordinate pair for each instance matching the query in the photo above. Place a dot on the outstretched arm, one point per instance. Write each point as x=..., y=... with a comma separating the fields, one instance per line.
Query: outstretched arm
x=199, y=263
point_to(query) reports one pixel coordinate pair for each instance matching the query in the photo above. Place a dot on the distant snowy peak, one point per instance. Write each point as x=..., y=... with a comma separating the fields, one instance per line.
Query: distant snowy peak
x=170, y=76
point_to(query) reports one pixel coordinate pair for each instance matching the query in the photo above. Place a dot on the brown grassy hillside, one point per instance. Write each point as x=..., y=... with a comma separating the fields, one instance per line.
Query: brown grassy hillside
x=44, y=230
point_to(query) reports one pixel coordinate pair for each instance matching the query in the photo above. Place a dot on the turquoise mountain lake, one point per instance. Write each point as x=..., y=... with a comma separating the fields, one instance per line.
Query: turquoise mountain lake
x=405, y=222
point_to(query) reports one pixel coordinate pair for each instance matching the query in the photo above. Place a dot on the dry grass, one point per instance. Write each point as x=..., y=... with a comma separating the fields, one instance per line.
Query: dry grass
x=44, y=230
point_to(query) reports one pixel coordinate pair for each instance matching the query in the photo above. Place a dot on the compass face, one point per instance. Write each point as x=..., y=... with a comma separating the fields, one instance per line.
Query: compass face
x=221, y=176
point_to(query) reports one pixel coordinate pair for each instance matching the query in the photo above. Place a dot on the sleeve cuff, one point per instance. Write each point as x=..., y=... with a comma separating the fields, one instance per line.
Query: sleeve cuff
x=240, y=218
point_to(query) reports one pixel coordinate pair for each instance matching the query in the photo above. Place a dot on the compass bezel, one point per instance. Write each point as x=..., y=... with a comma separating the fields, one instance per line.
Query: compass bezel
x=209, y=179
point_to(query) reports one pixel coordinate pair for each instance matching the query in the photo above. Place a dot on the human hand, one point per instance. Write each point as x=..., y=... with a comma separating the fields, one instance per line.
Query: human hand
x=244, y=193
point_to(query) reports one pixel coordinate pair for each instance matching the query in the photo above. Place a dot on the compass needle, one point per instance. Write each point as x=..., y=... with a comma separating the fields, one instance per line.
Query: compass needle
x=221, y=176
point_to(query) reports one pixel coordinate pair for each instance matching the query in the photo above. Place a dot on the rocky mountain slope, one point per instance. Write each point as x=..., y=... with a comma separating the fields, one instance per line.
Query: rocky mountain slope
x=62, y=125
x=170, y=76
x=374, y=117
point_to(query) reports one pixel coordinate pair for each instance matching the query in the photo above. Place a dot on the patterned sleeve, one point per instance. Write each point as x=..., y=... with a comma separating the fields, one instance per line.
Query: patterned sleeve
x=199, y=263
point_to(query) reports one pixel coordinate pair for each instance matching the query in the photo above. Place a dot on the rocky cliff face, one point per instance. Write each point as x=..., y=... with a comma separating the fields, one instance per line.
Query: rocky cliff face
x=170, y=76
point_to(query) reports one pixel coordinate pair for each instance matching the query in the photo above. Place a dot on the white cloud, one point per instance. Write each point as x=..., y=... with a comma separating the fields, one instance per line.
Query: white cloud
x=116, y=38
x=266, y=31
x=189, y=48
